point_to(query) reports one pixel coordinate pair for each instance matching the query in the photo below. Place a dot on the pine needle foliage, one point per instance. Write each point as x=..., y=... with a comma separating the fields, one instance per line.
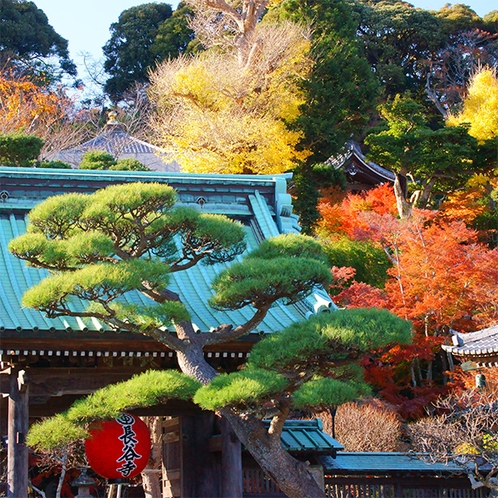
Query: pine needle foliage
x=54, y=432
x=146, y=317
x=323, y=392
x=290, y=245
x=97, y=281
x=143, y=390
x=241, y=389
x=333, y=335
x=308, y=364
x=147, y=389
x=57, y=215
x=286, y=349
x=366, y=328
x=256, y=281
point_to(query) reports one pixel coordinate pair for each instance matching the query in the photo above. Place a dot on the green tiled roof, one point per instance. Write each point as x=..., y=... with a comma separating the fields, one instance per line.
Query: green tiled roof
x=251, y=199
x=382, y=463
x=308, y=436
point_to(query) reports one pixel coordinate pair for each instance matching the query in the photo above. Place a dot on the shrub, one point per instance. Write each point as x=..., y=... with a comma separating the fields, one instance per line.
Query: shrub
x=97, y=159
x=19, y=150
x=129, y=164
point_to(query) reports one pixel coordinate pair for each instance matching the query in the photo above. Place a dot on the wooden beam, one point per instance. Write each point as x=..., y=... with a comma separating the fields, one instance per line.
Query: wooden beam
x=78, y=380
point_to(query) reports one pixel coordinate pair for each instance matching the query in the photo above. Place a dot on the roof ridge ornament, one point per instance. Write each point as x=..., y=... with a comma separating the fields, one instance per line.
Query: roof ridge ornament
x=112, y=115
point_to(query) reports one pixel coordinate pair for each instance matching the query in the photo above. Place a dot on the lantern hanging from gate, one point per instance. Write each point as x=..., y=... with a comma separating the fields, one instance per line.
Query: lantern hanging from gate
x=120, y=448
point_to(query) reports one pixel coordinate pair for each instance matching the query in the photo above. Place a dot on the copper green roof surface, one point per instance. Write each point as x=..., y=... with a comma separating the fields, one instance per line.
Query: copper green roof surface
x=253, y=200
x=308, y=436
x=381, y=463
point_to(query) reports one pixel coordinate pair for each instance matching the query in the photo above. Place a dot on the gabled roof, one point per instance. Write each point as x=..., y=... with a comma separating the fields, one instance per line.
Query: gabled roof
x=481, y=345
x=359, y=171
x=261, y=203
x=120, y=144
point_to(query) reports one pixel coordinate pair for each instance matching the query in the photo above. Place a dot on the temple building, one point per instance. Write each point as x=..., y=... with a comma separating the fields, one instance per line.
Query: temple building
x=478, y=349
x=360, y=174
x=117, y=142
x=48, y=363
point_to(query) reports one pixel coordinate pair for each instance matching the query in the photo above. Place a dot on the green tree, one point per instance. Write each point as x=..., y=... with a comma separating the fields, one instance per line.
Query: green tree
x=128, y=52
x=368, y=259
x=99, y=247
x=398, y=39
x=57, y=164
x=339, y=96
x=129, y=164
x=27, y=41
x=17, y=149
x=340, y=93
x=459, y=18
x=97, y=159
x=308, y=182
x=174, y=36
x=435, y=159
x=491, y=21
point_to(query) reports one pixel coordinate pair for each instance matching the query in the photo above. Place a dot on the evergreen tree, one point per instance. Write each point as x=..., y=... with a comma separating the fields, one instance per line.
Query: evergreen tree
x=128, y=53
x=27, y=41
x=124, y=238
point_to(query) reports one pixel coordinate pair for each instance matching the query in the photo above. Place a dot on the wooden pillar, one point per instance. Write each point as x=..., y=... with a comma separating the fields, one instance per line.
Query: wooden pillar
x=18, y=420
x=200, y=466
x=231, y=462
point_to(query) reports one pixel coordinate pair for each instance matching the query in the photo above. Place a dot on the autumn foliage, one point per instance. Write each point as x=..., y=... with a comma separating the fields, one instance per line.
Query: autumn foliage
x=26, y=106
x=441, y=277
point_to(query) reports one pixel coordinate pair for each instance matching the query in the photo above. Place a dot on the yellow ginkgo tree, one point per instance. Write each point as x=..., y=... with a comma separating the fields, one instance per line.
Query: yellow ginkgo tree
x=230, y=109
x=480, y=113
x=480, y=107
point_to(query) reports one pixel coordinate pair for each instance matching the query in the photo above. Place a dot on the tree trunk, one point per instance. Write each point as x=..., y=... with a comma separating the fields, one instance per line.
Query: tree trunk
x=62, y=475
x=291, y=475
x=426, y=193
x=404, y=207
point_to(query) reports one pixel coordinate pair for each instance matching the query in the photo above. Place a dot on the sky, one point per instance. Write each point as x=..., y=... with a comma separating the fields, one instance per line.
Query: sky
x=85, y=24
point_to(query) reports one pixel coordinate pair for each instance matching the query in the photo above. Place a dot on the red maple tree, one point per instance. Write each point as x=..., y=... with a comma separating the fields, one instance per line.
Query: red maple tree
x=441, y=278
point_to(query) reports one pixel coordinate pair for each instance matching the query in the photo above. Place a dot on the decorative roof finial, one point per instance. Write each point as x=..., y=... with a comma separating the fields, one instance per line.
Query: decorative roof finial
x=112, y=118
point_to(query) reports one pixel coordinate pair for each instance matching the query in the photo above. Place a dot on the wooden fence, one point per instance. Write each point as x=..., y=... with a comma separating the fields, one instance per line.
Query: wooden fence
x=257, y=485
x=337, y=490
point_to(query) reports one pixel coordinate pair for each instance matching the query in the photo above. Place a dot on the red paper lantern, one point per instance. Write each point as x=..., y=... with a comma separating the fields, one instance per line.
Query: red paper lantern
x=119, y=449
